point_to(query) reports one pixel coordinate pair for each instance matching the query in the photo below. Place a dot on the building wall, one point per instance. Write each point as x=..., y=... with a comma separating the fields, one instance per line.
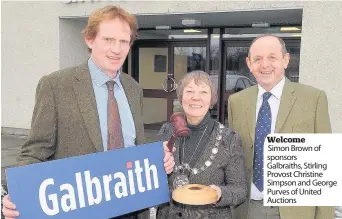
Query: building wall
x=32, y=40
x=72, y=48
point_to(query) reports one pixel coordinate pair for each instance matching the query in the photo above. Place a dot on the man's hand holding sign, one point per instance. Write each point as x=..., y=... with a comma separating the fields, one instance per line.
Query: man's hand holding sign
x=99, y=185
x=84, y=110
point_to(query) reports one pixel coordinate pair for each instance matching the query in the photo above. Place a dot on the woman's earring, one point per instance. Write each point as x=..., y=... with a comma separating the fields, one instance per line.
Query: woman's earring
x=211, y=107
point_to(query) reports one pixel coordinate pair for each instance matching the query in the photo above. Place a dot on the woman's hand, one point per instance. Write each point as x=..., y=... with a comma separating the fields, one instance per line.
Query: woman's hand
x=169, y=162
x=218, y=190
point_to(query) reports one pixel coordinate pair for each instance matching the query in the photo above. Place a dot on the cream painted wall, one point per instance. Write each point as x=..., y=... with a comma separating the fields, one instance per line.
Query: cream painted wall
x=148, y=78
x=155, y=109
x=31, y=45
x=29, y=38
x=320, y=58
x=72, y=49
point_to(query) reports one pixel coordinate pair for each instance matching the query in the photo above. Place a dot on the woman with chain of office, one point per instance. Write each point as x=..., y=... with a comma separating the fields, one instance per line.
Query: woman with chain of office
x=210, y=155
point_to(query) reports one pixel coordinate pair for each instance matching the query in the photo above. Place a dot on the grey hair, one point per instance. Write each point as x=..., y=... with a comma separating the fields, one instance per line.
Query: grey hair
x=281, y=41
x=199, y=77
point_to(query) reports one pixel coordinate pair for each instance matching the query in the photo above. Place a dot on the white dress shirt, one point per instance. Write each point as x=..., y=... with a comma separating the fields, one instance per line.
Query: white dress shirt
x=274, y=102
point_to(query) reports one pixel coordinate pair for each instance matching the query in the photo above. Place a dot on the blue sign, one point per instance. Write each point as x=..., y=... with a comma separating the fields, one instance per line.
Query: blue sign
x=100, y=185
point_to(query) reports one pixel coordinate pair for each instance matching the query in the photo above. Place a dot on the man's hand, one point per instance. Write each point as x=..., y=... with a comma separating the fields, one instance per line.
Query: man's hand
x=169, y=161
x=8, y=208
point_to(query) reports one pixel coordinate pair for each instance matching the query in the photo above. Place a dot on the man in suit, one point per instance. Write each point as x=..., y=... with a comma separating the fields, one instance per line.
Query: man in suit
x=284, y=107
x=92, y=107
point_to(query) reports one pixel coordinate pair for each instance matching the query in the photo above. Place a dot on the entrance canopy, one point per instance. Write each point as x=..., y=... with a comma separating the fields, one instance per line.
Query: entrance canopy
x=222, y=19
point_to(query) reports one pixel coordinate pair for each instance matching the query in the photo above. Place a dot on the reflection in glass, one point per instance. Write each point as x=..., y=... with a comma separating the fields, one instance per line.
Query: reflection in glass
x=187, y=59
x=238, y=76
x=292, y=71
x=214, y=64
x=214, y=52
x=236, y=65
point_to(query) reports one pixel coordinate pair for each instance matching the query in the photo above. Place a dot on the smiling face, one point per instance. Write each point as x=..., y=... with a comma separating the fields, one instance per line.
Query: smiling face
x=196, y=100
x=267, y=61
x=111, y=45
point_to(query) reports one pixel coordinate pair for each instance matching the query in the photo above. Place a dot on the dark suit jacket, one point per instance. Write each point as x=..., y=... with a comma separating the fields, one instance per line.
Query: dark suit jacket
x=303, y=109
x=65, y=120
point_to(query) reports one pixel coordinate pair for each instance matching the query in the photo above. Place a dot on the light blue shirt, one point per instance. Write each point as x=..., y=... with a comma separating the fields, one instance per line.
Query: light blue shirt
x=99, y=80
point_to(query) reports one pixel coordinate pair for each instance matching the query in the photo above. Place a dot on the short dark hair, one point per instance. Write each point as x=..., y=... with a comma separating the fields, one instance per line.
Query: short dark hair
x=281, y=41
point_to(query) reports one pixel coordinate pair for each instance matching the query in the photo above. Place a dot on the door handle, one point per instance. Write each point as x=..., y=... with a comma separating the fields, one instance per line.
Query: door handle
x=173, y=84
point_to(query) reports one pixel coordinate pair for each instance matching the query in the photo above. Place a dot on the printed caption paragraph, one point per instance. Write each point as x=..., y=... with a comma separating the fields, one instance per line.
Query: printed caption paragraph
x=303, y=170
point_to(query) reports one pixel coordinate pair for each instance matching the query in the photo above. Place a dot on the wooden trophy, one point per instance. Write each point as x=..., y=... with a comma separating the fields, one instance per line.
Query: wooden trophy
x=185, y=193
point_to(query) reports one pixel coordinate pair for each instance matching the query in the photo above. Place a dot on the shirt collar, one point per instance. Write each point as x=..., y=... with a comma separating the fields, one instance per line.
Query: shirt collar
x=99, y=77
x=276, y=91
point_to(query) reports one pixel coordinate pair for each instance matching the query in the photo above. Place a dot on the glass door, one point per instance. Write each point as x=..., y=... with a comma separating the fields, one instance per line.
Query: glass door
x=153, y=71
x=237, y=74
x=187, y=59
x=158, y=67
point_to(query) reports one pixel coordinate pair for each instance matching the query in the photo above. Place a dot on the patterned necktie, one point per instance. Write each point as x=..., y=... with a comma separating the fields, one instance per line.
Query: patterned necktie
x=115, y=139
x=262, y=129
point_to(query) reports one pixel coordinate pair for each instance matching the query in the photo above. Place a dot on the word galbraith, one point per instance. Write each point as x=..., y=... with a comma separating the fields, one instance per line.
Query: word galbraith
x=68, y=200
